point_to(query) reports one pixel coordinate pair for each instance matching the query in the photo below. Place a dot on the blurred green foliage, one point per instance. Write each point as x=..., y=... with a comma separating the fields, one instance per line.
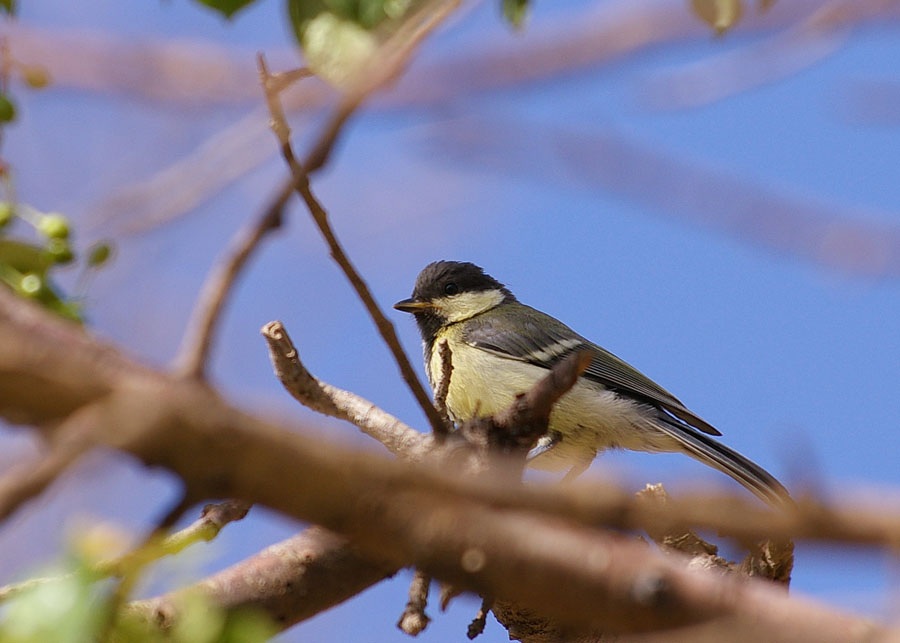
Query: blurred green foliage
x=338, y=37
x=74, y=602
x=30, y=260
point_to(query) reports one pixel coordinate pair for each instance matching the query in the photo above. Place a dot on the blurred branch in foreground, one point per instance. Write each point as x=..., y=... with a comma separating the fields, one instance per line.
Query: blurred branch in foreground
x=583, y=40
x=471, y=532
x=844, y=238
x=799, y=46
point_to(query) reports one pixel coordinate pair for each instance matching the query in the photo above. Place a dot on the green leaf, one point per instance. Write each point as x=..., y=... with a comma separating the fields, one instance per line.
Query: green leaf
x=300, y=13
x=341, y=37
x=721, y=15
x=335, y=48
x=515, y=12
x=226, y=7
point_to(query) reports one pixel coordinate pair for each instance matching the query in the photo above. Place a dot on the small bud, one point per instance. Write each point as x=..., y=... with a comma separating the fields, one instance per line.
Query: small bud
x=54, y=226
x=99, y=254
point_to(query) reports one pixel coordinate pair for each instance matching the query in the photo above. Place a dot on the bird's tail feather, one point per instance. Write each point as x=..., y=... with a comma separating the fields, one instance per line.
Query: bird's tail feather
x=707, y=450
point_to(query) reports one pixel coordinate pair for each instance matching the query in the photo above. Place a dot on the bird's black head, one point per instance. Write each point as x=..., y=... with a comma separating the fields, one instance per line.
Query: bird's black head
x=447, y=292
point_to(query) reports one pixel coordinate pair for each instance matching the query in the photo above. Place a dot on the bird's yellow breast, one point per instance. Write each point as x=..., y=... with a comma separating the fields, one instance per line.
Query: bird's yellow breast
x=588, y=417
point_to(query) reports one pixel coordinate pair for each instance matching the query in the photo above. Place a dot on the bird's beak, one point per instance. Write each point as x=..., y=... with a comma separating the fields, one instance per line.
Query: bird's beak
x=413, y=305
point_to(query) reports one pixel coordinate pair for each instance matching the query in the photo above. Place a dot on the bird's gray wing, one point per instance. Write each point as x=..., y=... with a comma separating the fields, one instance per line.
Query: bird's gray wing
x=539, y=339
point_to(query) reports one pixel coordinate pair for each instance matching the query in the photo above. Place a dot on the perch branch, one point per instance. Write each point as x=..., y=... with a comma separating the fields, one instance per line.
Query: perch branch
x=399, y=438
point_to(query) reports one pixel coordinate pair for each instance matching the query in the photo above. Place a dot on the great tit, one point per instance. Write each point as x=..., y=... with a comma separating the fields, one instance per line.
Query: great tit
x=500, y=347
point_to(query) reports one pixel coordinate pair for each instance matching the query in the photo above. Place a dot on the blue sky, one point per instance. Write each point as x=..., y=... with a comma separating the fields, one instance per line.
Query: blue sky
x=582, y=195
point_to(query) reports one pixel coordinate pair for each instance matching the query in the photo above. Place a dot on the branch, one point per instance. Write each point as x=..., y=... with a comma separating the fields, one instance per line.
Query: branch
x=399, y=438
x=320, y=217
x=290, y=581
x=204, y=529
x=194, y=353
x=443, y=387
x=414, y=620
x=488, y=538
x=198, y=338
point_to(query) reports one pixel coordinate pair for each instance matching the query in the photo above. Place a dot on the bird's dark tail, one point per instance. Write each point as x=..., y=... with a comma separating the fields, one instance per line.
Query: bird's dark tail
x=707, y=450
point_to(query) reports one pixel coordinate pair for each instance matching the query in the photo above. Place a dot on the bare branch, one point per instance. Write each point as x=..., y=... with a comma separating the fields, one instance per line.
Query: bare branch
x=469, y=532
x=212, y=520
x=290, y=581
x=414, y=620
x=476, y=627
x=855, y=240
x=197, y=342
x=320, y=217
x=817, y=36
x=399, y=438
x=443, y=388
x=204, y=529
x=685, y=541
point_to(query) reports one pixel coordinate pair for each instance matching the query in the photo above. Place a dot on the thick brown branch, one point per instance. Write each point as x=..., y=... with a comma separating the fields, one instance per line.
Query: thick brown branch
x=291, y=581
x=488, y=538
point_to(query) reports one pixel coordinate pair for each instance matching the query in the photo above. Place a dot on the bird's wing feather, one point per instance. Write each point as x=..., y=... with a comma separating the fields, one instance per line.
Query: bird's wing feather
x=509, y=334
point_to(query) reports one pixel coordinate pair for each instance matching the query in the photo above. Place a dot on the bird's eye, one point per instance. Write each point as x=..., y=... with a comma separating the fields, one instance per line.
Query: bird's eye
x=451, y=288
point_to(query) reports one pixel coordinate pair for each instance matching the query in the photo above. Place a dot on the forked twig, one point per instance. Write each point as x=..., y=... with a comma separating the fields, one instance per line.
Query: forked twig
x=320, y=217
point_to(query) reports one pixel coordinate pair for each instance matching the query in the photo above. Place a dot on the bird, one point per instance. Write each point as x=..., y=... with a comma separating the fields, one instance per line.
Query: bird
x=500, y=347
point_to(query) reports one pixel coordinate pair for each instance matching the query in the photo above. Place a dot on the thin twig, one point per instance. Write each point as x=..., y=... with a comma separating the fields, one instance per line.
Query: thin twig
x=212, y=520
x=414, y=620
x=476, y=627
x=385, y=327
x=399, y=438
x=273, y=85
x=443, y=388
x=129, y=567
x=197, y=343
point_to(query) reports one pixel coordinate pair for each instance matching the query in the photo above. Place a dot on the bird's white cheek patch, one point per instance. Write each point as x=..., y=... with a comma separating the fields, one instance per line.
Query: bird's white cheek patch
x=456, y=308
